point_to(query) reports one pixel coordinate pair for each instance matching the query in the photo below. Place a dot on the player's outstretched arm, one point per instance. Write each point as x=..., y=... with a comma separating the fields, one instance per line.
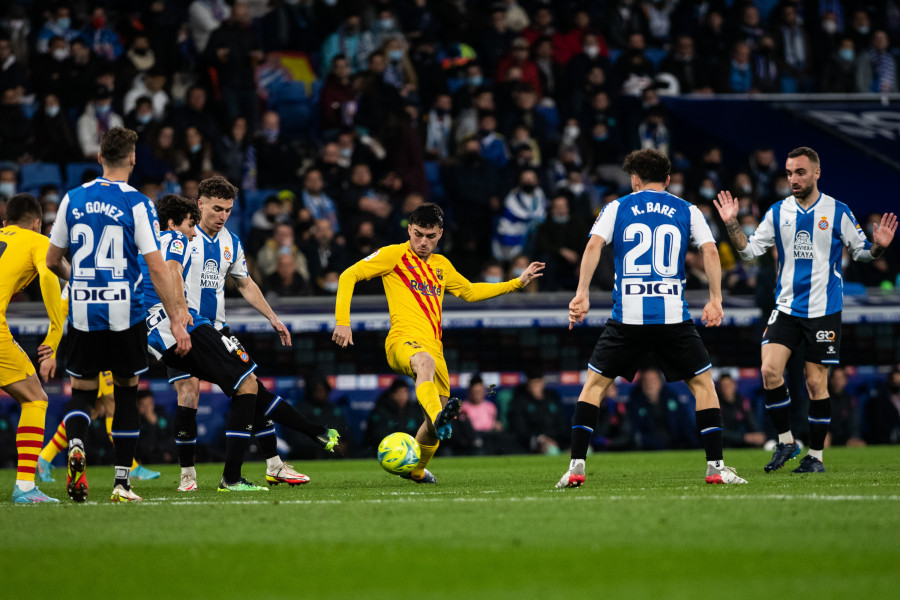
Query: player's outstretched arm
x=532, y=272
x=728, y=209
x=712, y=312
x=580, y=304
x=254, y=296
x=883, y=234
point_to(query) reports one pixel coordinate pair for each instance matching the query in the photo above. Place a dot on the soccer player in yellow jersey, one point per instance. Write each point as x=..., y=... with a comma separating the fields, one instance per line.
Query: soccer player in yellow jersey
x=415, y=280
x=23, y=252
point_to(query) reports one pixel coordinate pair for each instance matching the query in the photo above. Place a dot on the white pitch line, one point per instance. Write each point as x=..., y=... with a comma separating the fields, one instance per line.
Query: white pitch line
x=553, y=497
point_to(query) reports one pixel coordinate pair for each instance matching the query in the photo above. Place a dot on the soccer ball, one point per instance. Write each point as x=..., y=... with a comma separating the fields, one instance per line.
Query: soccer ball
x=399, y=453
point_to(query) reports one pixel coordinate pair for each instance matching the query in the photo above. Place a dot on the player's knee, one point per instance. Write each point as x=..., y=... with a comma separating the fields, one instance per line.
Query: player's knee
x=248, y=385
x=817, y=389
x=771, y=375
x=423, y=365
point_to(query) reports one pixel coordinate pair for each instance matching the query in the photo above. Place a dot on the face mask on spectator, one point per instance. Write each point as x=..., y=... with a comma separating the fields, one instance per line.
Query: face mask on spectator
x=829, y=27
x=145, y=118
x=8, y=189
x=395, y=55
x=476, y=80
x=749, y=230
x=517, y=272
x=196, y=148
x=601, y=137
x=676, y=189
x=783, y=191
x=386, y=23
x=64, y=23
x=707, y=192
x=862, y=30
x=560, y=219
x=50, y=197
x=52, y=111
x=576, y=188
x=60, y=54
x=103, y=109
x=270, y=134
x=847, y=54
x=592, y=51
x=330, y=286
x=746, y=189
x=571, y=131
x=492, y=279
x=331, y=2
x=346, y=152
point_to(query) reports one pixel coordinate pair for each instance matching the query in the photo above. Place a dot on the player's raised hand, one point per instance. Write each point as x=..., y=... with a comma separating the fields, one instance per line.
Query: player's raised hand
x=578, y=309
x=532, y=272
x=282, y=330
x=884, y=232
x=712, y=313
x=342, y=336
x=728, y=206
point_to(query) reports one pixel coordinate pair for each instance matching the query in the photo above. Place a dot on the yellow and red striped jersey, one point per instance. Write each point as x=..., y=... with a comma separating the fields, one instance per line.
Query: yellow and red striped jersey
x=414, y=289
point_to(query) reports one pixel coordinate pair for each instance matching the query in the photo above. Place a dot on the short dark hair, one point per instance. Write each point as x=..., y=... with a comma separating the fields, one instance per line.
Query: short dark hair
x=218, y=187
x=117, y=144
x=649, y=164
x=21, y=207
x=177, y=208
x=427, y=215
x=475, y=380
x=806, y=151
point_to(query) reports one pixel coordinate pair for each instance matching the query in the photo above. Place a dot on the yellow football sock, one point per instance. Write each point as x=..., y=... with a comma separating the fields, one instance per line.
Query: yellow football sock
x=427, y=394
x=57, y=444
x=424, y=458
x=30, y=438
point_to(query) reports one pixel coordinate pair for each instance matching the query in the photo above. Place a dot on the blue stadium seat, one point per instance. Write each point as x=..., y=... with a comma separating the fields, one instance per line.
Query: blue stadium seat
x=614, y=55
x=34, y=175
x=551, y=114
x=74, y=172
x=852, y=288
x=655, y=55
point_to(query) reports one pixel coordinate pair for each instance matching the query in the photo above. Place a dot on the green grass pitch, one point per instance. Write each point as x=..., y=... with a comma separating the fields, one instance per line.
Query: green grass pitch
x=643, y=526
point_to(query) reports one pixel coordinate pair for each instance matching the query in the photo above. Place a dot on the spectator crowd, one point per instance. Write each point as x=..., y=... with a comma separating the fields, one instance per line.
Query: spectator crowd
x=336, y=118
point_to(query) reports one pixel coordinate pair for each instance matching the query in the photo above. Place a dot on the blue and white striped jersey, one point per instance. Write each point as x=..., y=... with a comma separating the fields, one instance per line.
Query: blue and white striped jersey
x=212, y=258
x=649, y=232
x=809, y=244
x=106, y=225
x=174, y=246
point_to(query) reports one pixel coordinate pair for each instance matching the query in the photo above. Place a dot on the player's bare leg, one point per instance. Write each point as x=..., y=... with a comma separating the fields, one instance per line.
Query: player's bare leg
x=778, y=403
x=709, y=425
x=29, y=437
x=432, y=405
x=188, y=390
x=819, y=417
x=586, y=412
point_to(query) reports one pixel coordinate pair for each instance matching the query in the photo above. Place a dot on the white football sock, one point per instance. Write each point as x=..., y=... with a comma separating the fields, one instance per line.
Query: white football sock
x=815, y=453
x=785, y=438
x=718, y=465
x=25, y=486
x=274, y=463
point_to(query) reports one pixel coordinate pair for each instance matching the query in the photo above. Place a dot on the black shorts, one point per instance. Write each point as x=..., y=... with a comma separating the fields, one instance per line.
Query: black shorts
x=176, y=374
x=821, y=334
x=678, y=349
x=214, y=358
x=122, y=352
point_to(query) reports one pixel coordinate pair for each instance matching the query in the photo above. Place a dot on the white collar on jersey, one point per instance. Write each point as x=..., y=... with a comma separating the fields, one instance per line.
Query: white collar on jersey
x=806, y=211
x=207, y=237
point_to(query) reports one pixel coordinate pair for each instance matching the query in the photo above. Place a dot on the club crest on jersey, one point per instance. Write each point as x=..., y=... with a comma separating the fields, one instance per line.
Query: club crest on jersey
x=439, y=273
x=227, y=253
x=803, y=248
x=209, y=278
x=823, y=224
x=243, y=355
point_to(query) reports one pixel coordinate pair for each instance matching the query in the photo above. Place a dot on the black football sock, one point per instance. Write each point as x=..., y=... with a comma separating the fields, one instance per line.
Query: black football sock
x=275, y=408
x=238, y=427
x=126, y=429
x=819, y=420
x=186, y=435
x=78, y=415
x=583, y=424
x=778, y=405
x=709, y=424
x=264, y=432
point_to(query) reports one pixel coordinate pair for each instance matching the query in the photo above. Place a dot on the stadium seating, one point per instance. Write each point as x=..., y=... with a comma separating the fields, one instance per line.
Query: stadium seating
x=75, y=171
x=34, y=175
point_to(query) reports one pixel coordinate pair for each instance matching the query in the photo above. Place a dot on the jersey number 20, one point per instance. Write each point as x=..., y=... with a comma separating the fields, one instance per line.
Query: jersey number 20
x=110, y=250
x=664, y=242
